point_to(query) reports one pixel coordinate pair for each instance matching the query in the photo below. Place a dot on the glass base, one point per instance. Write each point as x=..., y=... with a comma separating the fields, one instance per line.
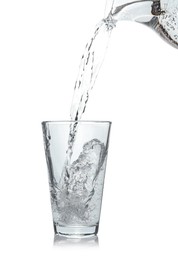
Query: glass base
x=76, y=231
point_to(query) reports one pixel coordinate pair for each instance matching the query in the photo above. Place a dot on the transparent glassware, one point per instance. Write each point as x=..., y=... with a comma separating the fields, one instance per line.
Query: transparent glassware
x=76, y=184
x=160, y=15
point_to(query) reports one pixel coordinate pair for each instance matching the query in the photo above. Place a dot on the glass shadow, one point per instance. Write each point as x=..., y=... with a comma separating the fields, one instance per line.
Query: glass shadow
x=61, y=241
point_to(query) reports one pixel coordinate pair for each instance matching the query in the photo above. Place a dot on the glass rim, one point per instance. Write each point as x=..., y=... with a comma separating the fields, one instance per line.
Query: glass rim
x=78, y=121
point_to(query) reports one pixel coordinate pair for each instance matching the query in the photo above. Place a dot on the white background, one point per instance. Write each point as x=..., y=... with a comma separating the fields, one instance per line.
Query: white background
x=41, y=43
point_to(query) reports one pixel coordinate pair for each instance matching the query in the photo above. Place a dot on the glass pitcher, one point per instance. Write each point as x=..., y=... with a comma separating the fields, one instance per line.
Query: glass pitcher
x=160, y=15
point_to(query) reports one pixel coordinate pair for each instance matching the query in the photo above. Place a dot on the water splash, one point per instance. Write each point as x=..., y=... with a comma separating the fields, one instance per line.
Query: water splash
x=76, y=199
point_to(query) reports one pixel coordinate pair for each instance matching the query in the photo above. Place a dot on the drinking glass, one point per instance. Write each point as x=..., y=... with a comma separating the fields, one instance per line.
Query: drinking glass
x=76, y=154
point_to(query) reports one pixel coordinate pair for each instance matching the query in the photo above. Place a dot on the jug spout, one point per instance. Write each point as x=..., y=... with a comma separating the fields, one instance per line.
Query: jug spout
x=160, y=15
x=139, y=11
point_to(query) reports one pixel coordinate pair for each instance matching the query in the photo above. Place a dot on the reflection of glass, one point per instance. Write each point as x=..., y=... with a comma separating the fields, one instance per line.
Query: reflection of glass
x=76, y=184
x=160, y=15
x=60, y=241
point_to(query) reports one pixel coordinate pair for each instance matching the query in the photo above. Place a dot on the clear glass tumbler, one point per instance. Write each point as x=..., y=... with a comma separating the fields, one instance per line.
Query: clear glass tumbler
x=76, y=154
